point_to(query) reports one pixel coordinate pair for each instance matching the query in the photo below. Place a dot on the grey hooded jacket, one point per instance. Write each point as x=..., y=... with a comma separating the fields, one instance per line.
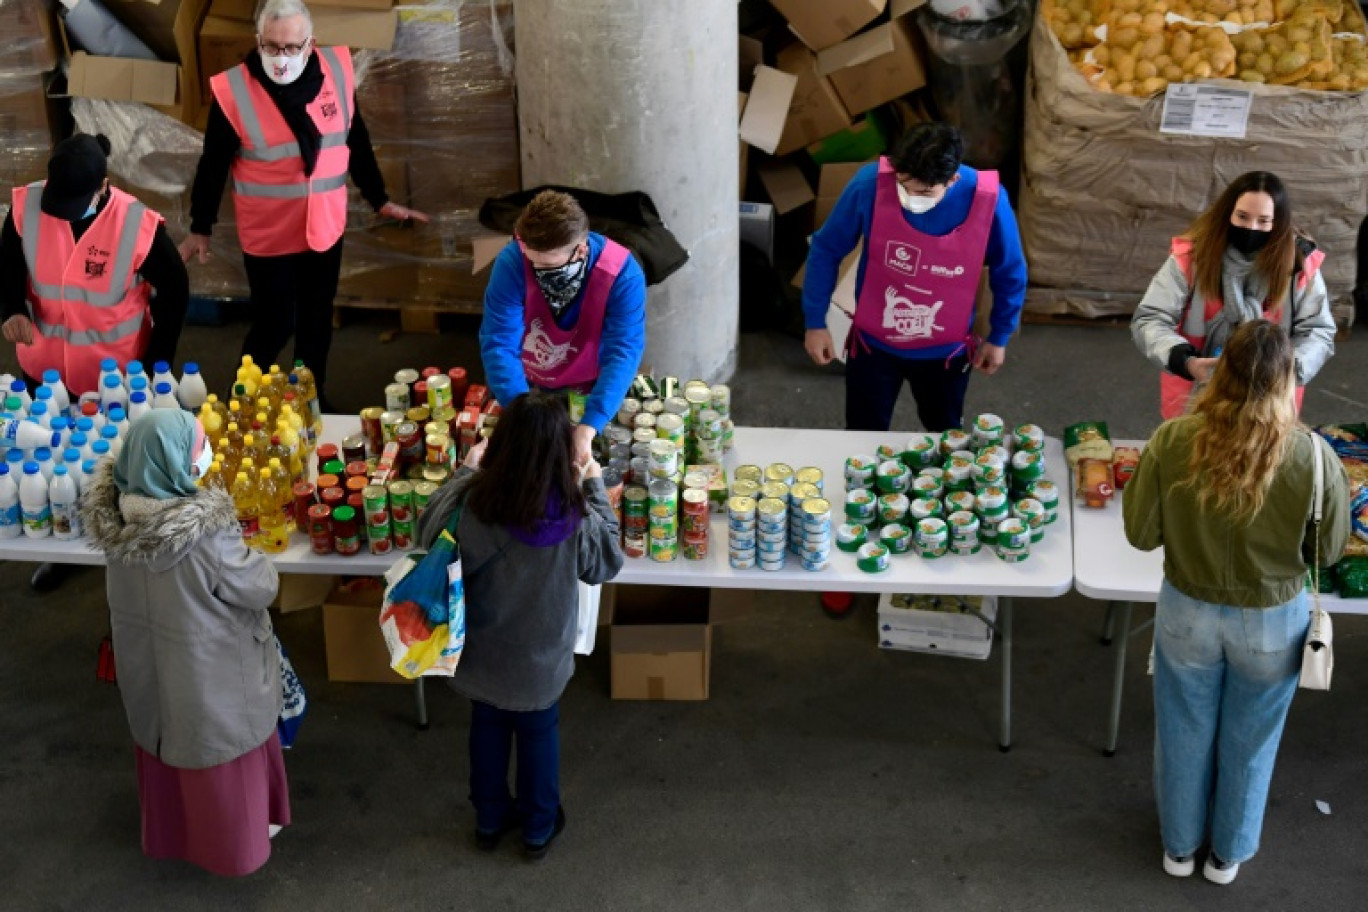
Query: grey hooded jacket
x=522, y=602
x=198, y=667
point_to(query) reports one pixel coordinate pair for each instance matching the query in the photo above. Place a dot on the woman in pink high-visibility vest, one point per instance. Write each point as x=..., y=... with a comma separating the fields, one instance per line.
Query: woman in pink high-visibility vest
x=285, y=123
x=1241, y=260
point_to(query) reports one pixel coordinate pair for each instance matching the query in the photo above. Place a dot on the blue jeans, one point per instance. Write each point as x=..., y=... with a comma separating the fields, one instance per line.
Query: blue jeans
x=1223, y=681
x=492, y=731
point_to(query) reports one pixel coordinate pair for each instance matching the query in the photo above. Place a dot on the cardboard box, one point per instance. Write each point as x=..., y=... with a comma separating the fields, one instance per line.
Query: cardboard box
x=863, y=140
x=171, y=85
x=874, y=67
x=831, y=183
x=762, y=123
x=246, y=9
x=661, y=642
x=351, y=633
x=947, y=629
x=786, y=186
x=222, y=45
x=757, y=227
x=822, y=23
x=302, y=590
x=815, y=111
x=226, y=37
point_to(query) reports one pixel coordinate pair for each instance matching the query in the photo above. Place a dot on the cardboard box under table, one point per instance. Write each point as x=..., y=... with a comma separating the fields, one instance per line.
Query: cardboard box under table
x=951, y=625
x=661, y=642
x=351, y=631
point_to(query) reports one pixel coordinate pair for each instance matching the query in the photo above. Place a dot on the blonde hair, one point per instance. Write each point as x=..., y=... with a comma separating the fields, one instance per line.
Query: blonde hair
x=1248, y=415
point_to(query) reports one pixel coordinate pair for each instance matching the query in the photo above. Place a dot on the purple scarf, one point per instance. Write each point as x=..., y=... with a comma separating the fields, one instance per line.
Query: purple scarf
x=552, y=529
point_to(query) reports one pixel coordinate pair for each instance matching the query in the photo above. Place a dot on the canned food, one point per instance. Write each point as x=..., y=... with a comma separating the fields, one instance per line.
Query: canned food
x=1029, y=437
x=742, y=562
x=861, y=507
x=720, y=397
x=376, y=502
x=988, y=430
x=671, y=427
x=419, y=415
x=1013, y=535
x=779, y=471
x=333, y=497
x=959, y=474
x=663, y=498
x=893, y=507
x=892, y=477
x=422, y=493
x=958, y=501
x=401, y=501
x=397, y=397
x=676, y=405
x=627, y=412
x=708, y=426
x=645, y=421
x=745, y=488
x=694, y=549
x=872, y=558
x=439, y=392
x=353, y=449
x=325, y=454
x=772, y=510
x=450, y=421
x=775, y=490
x=379, y=539
x=933, y=538
x=926, y=486
x=663, y=551
x=896, y=537
x=634, y=545
x=437, y=449
x=773, y=565
x=850, y=537
x=655, y=407
x=815, y=564
x=1028, y=467
x=886, y=453
x=346, y=531
x=459, y=386
x=749, y=473
x=1032, y=513
x=696, y=479
x=407, y=376
x=953, y=441
x=817, y=510
x=810, y=475
x=436, y=475
x=410, y=441
x=923, y=451
x=964, y=530
x=404, y=535
x=389, y=423
x=304, y=500
x=988, y=473
x=370, y=429
x=925, y=508
x=991, y=504
x=742, y=507
x=694, y=501
x=1047, y=493
x=320, y=529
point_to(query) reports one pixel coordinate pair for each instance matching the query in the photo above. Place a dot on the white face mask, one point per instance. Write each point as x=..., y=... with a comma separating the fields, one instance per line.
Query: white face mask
x=205, y=460
x=917, y=205
x=283, y=70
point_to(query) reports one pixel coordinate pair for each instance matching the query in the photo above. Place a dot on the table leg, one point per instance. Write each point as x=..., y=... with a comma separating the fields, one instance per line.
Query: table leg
x=1005, y=625
x=420, y=704
x=1118, y=680
x=1107, y=624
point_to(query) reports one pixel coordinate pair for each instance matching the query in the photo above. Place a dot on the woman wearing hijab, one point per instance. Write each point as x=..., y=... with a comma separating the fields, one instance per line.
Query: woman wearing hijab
x=199, y=670
x=1241, y=260
x=286, y=124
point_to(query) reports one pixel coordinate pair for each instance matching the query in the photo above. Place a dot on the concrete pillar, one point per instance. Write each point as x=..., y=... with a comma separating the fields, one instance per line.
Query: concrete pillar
x=618, y=95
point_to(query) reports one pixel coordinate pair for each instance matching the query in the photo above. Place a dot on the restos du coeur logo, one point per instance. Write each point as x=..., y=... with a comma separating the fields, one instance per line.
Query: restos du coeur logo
x=945, y=272
x=905, y=258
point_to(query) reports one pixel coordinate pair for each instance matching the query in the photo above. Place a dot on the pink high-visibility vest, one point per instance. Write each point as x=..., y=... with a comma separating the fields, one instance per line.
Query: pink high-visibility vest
x=279, y=210
x=86, y=298
x=556, y=358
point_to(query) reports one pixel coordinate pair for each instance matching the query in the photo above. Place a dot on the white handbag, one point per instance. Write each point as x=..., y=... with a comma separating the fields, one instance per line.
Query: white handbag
x=1318, y=655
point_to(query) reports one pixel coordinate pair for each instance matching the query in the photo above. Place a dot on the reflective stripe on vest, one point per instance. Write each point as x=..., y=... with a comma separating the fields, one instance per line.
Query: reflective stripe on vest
x=290, y=191
x=118, y=331
x=119, y=281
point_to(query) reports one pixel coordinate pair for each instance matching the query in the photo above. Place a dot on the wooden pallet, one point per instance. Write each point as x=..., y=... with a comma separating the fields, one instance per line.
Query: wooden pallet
x=413, y=318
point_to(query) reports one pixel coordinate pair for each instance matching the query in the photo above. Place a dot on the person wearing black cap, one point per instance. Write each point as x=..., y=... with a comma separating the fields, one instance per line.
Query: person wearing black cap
x=86, y=273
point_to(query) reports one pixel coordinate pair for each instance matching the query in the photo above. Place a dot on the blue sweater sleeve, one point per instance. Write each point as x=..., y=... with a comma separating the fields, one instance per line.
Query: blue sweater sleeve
x=1006, y=272
x=622, y=344
x=833, y=242
x=501, y=329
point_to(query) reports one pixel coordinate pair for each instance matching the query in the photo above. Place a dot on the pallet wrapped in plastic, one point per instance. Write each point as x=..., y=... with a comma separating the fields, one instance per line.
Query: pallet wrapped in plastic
x=26, y=45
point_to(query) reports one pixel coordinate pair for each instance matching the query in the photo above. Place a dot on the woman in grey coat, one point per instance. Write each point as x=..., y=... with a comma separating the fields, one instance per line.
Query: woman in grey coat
x=532, y=525
x=198, y=667
x=1241, y=260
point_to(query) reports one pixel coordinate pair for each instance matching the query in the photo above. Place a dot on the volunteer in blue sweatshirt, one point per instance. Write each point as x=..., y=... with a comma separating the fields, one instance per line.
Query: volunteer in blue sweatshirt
x=929, y=224
x=565, y=310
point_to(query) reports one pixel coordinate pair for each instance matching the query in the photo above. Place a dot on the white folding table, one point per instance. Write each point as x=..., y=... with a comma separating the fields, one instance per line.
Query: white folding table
x=1107, y=567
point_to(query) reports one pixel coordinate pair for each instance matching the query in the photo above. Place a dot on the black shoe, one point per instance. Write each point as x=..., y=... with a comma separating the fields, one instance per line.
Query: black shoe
x=488, y=842
x=49, y=576
x=537, y=851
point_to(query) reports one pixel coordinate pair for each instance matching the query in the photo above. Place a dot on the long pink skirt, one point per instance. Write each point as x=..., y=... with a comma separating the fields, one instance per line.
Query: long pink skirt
x=217, y=818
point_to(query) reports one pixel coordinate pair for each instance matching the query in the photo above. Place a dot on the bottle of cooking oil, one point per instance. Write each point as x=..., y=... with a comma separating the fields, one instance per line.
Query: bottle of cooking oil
x=250, y=375
x=280, y=477
x=308, y=395
x=220, y=408
x=242, y=396
x=245, y=499
x=290, y=414
x=212, y=423
x=231, y=449
x=214, y=477
x=289, y=440
x=275, y=535
x=254, y=448
x=275, y=386
x=277, y=450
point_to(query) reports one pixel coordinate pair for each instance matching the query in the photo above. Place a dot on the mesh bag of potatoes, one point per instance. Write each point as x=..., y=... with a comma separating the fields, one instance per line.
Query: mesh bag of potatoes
x=1139, y=59
x=1350, y=54
x=1074, y=22
x=1296, y=51
x=1330, y=10
x=1231, y=12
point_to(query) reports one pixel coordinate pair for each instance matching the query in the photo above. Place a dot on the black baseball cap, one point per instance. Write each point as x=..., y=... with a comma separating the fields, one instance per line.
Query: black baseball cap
x=76, y=172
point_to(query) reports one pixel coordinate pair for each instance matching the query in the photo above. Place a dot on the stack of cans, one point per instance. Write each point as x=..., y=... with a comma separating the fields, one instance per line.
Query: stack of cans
x=693, y=524
x=932, y=537
x=698, y=396
x=1031, y=512
x=742, y=516
x=964, y=532
x=375, y=502
x=721, y=403
x=663, y=533
x=403, y=515
x=1013, y=541
x=708, y=437
x=771, y=533
x=636, y=521
x=800, y=493
x=814, y=533
x=664, y=459
x=670, y=426
x=1048, y=494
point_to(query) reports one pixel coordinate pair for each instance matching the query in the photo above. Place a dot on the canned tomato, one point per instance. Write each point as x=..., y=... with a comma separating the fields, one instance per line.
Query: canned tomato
x=346, y=531
x=404, y=535
x=379, y=539
x=459, y=385
x=873, y=558
x=375, y=499
x=439, y=392
x=634, y=545
x=422, y=493
x=389, y=421
x=320, y=529
x=353, y=449
x=370, y=429
x=397, y=397
x=401, y=501
x=896, y=537
x=304, y=498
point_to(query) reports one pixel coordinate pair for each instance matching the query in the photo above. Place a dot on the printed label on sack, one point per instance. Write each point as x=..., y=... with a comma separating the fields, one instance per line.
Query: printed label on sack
x=1203, y=110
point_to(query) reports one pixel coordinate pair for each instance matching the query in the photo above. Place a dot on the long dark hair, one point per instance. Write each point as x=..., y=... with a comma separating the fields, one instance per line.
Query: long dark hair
x=1211, y=233
x=529, y=466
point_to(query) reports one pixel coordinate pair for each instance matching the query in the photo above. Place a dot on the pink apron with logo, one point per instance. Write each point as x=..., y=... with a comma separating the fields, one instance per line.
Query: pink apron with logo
x=556, y=358
x=919, y=290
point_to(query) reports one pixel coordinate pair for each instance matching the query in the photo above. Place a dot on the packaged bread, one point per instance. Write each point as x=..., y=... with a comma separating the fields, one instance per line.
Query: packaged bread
x=1088, y=440
x=1093, y=482
x=1296, y=51
x=1074, y=22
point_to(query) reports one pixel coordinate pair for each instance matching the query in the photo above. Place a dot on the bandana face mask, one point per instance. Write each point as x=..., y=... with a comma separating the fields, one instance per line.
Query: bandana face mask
x=560, y=285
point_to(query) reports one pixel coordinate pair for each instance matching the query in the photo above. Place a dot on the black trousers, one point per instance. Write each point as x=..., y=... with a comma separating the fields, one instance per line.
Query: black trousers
x=874, y=378
x=293, y=295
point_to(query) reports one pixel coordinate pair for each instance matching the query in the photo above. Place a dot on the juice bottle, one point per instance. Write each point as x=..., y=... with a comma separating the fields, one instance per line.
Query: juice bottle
x=308, y=394
x=275, y=536
x=248, y=510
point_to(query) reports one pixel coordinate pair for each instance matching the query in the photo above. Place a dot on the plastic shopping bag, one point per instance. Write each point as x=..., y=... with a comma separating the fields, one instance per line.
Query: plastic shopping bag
x=295, y=702
x=586, y=626
x=423, y=612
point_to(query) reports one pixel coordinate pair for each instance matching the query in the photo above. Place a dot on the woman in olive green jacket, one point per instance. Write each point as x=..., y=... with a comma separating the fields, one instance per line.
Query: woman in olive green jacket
x=1227, y=492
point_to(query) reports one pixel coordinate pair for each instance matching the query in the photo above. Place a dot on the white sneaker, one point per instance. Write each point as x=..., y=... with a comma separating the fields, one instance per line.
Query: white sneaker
x=1182, y=866
x=1220, y=872
x=274, y=828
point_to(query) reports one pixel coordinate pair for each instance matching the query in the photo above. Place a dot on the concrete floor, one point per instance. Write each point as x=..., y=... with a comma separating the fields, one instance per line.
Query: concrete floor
x=823, y=773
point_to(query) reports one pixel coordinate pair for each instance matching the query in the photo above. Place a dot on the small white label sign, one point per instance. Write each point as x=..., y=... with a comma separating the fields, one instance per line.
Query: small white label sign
x=1205, y=110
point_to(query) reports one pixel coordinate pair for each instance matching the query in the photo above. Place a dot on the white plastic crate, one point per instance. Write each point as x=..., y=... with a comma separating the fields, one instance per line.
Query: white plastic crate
x=938, y=624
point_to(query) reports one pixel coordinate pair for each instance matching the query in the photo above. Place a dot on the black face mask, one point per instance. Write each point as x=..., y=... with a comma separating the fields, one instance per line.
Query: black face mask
x=1247, y=240
x=560, y=285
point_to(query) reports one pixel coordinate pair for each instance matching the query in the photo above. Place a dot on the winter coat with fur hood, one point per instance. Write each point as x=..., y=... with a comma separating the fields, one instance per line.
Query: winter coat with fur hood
x=198, y=667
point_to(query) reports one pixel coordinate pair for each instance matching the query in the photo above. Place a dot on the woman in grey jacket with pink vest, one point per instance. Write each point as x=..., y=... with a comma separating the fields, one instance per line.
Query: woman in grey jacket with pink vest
x=198, y=667
x=532, y=526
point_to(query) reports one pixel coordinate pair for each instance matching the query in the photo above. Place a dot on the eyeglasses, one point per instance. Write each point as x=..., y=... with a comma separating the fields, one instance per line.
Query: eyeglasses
x=284, y=50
